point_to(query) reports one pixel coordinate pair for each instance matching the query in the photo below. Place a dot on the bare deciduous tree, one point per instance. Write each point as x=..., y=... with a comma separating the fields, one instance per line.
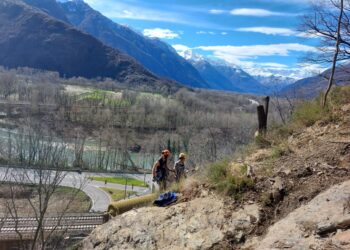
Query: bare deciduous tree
x=330, y=21
x=8, y=84
x=37, y=186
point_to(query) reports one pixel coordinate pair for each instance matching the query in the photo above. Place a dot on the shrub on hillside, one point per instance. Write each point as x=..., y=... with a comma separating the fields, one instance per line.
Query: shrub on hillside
x=309, y=112
x=228, y=178
x=340, y=96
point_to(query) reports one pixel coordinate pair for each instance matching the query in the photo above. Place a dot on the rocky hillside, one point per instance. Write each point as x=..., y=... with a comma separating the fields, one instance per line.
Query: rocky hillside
x=323, y=223
x=289, y=190
x=206, y=222
x=31, y=38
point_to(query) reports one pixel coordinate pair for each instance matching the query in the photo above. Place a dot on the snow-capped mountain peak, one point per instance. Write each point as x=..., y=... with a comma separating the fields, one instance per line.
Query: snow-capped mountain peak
x=189, y=55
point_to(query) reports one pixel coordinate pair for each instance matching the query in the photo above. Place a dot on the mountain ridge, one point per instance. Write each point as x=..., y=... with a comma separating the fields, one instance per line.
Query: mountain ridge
x=50, y=7
x=32, y=38
x=157, y=56
x=311, y=87
x=224, y=76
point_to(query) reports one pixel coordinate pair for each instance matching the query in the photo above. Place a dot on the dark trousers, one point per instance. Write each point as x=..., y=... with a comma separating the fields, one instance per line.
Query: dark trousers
x=162, y=179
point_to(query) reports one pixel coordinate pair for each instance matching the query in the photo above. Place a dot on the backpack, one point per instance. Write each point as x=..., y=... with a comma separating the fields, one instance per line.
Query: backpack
x=165, y=199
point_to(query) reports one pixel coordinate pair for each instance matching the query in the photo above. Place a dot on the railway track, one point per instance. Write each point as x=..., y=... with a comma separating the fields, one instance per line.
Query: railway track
x=25, y=228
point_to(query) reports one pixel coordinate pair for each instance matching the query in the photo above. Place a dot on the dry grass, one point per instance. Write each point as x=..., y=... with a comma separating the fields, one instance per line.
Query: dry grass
x=229, y=178
x=117, y=194
x=81, y=203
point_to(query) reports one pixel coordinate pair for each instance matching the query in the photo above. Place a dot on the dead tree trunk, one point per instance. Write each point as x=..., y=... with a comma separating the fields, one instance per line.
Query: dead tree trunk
x=262, y=115
x=267, y=102
x=261, y=118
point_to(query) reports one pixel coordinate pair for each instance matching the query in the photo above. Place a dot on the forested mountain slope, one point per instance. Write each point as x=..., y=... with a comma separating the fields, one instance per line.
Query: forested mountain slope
x=155, y=55
x=31, y=38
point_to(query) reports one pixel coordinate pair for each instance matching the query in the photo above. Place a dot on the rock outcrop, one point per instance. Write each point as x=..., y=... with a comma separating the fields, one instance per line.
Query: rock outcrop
x=203, y=223
x=323, y=223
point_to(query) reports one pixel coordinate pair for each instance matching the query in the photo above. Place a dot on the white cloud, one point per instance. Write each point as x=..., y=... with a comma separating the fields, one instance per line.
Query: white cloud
x=267, y=69
x=216, y=11
x=273, y=65
x=128, y=13
x=181, y=47
x=257, y=12
x=245, y=57
x=297, y=71
x=309, y=69
x=125, y=10
x=234, y=53
x=201, y=32
x=161, y=33
x=146, y=10
x=186, y=52
x=310, y=34
x=279, y=31
x=269, y=31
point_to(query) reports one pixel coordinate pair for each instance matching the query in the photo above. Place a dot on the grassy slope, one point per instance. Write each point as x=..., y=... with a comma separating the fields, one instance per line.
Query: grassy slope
x=119, y=180
x=117, y=194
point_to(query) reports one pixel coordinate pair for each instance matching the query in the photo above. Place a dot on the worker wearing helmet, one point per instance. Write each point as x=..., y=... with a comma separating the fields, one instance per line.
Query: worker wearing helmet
x=179, y=167
x=160, y=169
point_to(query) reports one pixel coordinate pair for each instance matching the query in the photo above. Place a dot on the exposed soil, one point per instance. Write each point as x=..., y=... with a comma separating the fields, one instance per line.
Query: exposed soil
x=317, y=159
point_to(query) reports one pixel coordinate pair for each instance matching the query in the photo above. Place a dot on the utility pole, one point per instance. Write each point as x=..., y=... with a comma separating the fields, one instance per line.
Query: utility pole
x=126, y=184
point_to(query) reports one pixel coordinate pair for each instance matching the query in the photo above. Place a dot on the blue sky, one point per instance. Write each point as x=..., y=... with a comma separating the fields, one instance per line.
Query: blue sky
x=258, y=35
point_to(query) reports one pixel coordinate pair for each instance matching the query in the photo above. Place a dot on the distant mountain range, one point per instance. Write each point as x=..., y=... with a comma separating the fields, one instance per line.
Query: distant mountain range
x=31, y=38
x=155, y=55
x=274, y=82
x=70, y=37
x=312, y=86
x=224, y=76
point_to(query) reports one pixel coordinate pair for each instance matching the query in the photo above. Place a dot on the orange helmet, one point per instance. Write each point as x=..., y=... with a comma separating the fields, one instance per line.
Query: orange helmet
x=166, y=152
